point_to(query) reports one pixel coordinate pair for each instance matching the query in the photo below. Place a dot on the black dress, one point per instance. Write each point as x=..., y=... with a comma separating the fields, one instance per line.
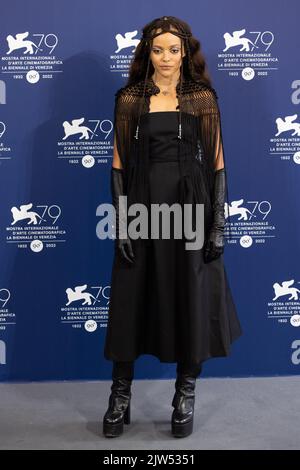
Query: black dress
x=170, y=303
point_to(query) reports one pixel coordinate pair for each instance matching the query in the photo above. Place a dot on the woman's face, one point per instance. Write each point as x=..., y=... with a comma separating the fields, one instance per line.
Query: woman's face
x=166, y=55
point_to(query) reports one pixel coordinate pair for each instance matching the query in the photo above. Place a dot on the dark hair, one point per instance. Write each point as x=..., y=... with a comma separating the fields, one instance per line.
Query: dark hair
x=193, y=63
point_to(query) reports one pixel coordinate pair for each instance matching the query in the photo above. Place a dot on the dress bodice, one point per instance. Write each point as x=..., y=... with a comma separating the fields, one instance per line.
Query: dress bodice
x=163, y=135
x=163, y=132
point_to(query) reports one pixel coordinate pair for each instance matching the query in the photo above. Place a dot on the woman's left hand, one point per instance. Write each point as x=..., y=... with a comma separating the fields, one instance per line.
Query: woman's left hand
x=212, y=251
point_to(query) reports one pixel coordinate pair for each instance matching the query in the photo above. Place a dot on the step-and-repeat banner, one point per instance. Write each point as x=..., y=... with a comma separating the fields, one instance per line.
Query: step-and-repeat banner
x=60, y=66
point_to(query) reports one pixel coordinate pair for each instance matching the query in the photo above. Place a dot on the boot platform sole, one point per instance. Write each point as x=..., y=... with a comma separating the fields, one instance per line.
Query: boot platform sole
x=182, y=430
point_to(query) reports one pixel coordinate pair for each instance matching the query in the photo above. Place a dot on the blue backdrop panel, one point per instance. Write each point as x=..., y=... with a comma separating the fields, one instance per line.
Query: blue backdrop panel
x=60, y=65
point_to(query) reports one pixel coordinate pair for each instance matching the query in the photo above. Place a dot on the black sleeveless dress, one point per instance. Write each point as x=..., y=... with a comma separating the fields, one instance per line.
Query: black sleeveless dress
x=170, y=303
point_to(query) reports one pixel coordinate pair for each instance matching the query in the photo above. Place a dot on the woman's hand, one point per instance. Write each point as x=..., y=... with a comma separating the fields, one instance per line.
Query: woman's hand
x=212, y=251
x=125, y=247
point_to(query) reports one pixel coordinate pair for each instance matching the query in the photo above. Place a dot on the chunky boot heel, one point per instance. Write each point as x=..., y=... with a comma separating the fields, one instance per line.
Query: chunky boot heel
x=127, y=415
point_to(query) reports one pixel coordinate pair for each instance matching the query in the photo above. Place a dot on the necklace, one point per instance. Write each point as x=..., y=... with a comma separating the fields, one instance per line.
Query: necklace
x=163, y=92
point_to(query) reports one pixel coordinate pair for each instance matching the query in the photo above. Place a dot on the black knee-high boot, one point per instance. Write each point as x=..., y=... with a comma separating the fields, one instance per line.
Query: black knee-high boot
x=118, y=411
x=184, y=399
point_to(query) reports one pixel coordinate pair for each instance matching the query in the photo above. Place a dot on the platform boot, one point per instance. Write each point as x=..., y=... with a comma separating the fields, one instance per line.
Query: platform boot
x=184, y=399
x=118, y=411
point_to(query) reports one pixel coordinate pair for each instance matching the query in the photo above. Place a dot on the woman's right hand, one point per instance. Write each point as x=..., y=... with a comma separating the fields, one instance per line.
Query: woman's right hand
x=125, y=247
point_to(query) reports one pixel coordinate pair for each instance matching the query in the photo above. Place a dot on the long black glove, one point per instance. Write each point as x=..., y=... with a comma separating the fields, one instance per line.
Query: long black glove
x=214, y=246
x=117, y=189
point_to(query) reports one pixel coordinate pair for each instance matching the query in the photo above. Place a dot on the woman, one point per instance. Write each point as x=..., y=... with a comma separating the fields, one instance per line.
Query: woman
x=166, y=300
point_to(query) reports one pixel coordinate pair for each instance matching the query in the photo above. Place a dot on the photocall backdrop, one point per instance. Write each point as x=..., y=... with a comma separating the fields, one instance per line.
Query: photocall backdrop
x=61, y=64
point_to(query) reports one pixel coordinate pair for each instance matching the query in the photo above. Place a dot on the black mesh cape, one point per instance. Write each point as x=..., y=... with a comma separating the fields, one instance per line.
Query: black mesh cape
x=199, y=109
